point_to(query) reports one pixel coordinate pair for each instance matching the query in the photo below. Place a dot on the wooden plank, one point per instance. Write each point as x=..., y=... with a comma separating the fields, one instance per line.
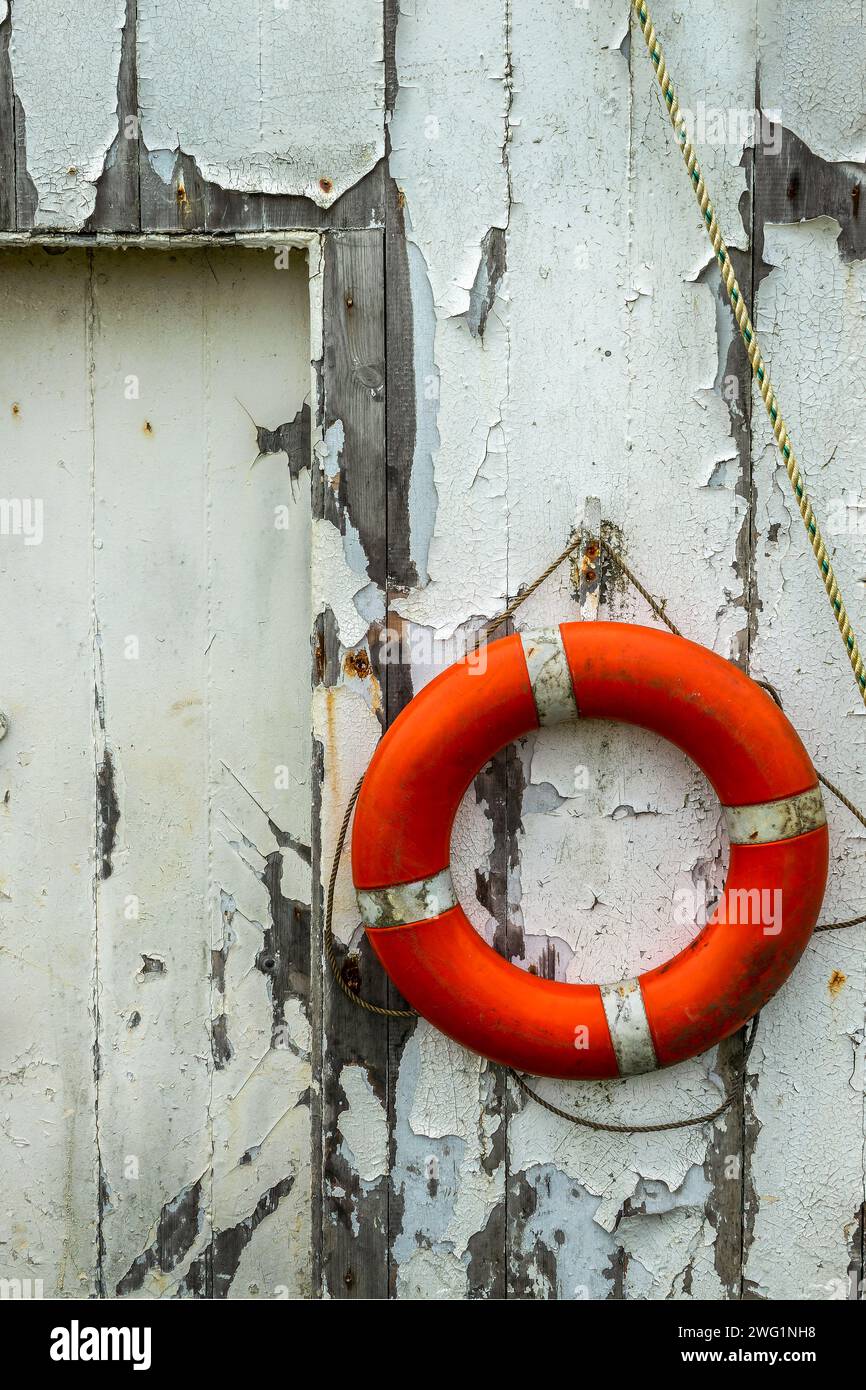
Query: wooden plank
x=257, y=332
x=154, y=884
x=806, y=1091
x=447, y=372
x=204, y=889
x=173, y=195
x=349, y=559
x=48, y=1225
x=354, y=398
x=579, y=301
x=176, y=199
x=117, y=197
x=361, y=207
x=667, y=1224
x=804, y=1233
x=7, y=130
x=283, y=151
x=65, y=70
x=25, y=192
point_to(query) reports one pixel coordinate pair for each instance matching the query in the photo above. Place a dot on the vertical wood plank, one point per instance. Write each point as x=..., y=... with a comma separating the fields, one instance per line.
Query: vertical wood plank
x=65, y=70
x=804, y=1234
x=349, y=558
x=630, y=407
x=447, y=560
x=7, y=130
x=204, y=893
x=153, y=870
x=26, y=198
x=48, y=1063
x=117, y=197
x=806, y=1092
x=257, y=359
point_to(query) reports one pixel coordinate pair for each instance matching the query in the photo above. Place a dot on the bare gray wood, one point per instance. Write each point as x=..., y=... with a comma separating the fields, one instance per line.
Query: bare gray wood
x=117, y=207
x=7, y=130
x=189, y=203
x=354, y=1256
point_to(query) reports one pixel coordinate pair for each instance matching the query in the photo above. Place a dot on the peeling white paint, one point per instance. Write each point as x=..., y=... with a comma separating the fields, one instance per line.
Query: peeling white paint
x=472, y=846
x=444, y=1095
x=431, y=1274
x=423, y=499
x=813, y=71
x=572, y=391
x=236, y=93
x=453, y=173
x=364, y=1125
x=346, y=726
x=586, y=1155
x=336, y=584
x=808, y=1086
x=601, y=371
x=65, y=63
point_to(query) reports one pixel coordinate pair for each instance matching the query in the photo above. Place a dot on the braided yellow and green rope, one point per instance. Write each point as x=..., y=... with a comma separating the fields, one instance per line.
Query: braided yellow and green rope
x=744, y=323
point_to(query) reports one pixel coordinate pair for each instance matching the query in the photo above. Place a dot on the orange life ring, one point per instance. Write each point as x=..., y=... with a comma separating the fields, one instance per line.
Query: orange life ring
x=726, y=723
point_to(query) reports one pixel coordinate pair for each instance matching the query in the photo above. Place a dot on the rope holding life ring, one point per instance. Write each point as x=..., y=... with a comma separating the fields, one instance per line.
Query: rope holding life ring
x=727, y=724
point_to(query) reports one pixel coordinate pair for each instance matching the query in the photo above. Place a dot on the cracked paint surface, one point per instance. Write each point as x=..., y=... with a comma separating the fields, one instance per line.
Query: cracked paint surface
x=447, y=1171
x=231, y=90
x=234, y=92
x=567, y=340
x=454, y=178
x=820, y=106
x=808, y=1083
x=364, y=1125
x=76, y=52
x=563, y=395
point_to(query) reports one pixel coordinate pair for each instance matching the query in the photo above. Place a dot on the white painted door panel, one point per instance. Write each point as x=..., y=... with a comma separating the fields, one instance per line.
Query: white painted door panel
x=155, y=1032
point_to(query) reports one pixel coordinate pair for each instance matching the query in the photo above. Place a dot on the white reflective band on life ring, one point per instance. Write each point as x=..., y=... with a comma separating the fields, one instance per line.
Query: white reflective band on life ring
x=405, y=903
x=549, y=676
x=776, y=820
x=629, y=1027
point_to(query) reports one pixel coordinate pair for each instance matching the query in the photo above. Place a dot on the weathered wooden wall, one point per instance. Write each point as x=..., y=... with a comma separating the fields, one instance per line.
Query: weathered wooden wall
x=513, y=306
